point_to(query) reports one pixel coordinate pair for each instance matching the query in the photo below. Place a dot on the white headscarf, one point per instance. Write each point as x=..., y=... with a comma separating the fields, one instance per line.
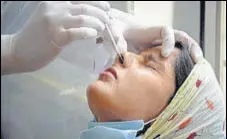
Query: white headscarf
x=196, y=112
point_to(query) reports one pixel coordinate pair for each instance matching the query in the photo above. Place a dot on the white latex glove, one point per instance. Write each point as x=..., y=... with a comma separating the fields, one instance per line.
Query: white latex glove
x=53, y=25
x=137, y=34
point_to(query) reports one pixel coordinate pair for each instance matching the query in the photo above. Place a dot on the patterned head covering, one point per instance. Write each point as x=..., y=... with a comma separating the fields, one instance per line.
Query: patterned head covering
x=196, y=112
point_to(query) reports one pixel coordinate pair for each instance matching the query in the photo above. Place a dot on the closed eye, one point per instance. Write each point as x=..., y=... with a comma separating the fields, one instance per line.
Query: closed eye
x=149, y=58
x=150, y=66
x=151, y=62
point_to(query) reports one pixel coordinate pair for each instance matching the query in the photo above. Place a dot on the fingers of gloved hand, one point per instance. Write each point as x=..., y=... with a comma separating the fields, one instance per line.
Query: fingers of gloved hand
x=193, y=47
x=146, y=35
x=167, y=35
x=67, y=14
x=85, y=9
x=81, y=33
x=82, y=21
x=151, y=35
x=65, y=36
x=142, y=34
x=104, y=5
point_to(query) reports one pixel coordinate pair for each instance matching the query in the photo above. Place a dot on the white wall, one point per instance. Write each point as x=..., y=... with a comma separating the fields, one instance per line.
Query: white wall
x=182, y=15
x=154, y=12
x=215, y=39
x=210, y=44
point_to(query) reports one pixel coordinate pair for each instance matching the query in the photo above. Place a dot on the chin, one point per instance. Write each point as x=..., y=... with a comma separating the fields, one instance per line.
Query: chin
x=95, y=89
x=99, y=89
x=100, y=101
x=97, y=95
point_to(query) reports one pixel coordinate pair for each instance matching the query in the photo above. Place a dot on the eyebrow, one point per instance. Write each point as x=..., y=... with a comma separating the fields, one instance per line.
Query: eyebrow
x=152, y=58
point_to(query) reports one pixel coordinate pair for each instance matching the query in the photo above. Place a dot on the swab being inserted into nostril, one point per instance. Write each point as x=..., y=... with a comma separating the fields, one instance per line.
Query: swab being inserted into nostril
x=121, y=59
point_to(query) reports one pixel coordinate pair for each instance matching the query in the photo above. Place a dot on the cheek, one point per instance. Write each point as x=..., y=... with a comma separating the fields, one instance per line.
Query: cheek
x=138, y=94
x=141, y=94
x=139, y=82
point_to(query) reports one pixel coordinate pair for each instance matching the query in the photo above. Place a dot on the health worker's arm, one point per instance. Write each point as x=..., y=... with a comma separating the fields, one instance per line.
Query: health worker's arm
x=52, y=26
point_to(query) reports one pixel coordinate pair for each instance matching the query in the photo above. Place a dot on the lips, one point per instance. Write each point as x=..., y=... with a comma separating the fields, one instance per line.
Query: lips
x=112, y=71
x=108, y=73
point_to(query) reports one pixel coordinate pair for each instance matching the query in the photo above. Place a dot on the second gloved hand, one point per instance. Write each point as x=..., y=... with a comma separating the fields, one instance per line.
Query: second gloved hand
x=138, y=34
x=52, y=26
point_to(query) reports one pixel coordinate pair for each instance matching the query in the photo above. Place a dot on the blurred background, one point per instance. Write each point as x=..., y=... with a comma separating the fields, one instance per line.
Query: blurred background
x=51, y=103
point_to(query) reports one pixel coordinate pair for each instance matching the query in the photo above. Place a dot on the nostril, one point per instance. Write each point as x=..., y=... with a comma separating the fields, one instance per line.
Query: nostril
x=121, y=59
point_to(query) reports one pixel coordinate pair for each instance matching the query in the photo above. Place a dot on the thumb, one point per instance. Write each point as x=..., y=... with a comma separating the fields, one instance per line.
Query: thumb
x=193, y=47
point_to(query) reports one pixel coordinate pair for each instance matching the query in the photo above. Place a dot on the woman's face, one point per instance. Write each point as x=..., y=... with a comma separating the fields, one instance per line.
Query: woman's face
x=140, y=88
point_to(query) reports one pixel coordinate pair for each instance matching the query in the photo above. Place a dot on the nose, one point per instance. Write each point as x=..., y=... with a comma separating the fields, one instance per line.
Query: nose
x=127, y=60
x=119, y=60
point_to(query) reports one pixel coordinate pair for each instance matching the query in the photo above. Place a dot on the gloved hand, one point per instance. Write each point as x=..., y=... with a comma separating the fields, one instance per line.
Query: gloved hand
x=52, y=26
x=138, y=34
